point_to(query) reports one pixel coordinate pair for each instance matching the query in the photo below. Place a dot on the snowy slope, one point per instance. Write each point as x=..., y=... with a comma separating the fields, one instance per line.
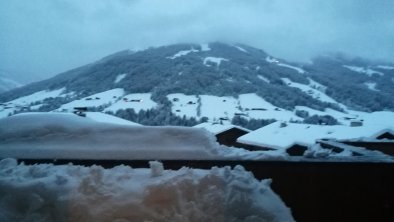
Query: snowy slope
x=312, y=91
x=215, y=107
x=184, y=105
x=21, y=103
x=363, y=70
x=49, y=193
x=100, y=99
x=38, y=96
x=136, y=101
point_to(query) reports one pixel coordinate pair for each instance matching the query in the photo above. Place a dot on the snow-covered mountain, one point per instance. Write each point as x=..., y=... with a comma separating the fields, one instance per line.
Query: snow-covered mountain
x=178, y=83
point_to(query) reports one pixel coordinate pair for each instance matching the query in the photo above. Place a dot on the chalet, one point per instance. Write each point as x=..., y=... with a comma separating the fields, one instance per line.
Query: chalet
x=259, y=109
x=226, y=134
x=386, y=134
x=136, y=100
x=356, y=123
x=295, y=138
x=80, y=111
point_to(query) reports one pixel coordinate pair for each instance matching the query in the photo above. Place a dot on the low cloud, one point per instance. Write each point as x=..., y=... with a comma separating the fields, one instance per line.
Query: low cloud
x=45, y=37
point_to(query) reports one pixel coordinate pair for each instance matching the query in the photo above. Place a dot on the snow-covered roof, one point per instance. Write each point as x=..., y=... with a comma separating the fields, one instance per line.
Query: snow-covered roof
x=217, y=128
x=278, y=136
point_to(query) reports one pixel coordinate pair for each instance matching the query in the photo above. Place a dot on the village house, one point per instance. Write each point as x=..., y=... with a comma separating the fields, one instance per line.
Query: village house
x=226, y=134
x=294, y=138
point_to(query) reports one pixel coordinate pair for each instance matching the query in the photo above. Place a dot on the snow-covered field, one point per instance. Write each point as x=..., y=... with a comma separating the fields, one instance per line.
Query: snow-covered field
x=184, y=105
x=100, y=99
x=75, y=193
x=136, y=101
x=215, y=108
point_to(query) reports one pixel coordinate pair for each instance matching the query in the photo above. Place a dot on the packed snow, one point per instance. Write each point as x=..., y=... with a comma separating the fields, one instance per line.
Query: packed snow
x=182, y=53
x=69, y=136
x=215, y=60
x=120, y=78
x=65, y=135
x=100, y=99
x=136, y=101
x=366, y=71
x=46, y=192
x=105, y=118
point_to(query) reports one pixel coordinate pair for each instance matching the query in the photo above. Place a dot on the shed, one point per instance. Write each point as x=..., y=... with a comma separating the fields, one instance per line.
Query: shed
x=226, y=134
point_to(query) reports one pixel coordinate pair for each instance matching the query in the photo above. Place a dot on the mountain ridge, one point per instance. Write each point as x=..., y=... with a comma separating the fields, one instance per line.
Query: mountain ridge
x=222, y=70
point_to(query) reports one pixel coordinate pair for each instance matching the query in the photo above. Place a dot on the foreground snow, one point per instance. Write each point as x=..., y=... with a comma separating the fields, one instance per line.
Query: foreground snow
x=76, y=193
x=68, y=136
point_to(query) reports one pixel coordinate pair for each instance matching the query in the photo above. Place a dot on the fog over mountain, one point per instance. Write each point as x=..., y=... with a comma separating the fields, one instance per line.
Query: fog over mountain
x=42, y=38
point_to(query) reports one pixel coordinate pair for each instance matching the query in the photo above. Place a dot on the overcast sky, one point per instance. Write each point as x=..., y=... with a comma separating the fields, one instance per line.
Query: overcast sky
x=45, y=37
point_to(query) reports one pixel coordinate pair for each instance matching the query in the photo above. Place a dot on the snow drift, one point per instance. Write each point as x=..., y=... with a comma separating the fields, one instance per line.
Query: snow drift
x=68, y=136
x=76, y=193
x=64, y=136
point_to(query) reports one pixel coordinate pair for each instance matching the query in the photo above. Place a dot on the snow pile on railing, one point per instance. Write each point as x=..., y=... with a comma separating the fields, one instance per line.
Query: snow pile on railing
x=68, y=136
x=75, y=193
